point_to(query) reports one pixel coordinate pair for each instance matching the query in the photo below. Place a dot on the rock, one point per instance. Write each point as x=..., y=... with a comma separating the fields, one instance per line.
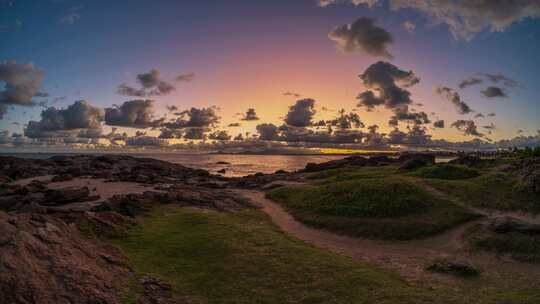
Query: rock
x=382, y=160
x=351, y=161
x=58, y=197
x=470, y=160
x=157, y=291
x=62, y=178
x=426, y=158
x=509, y=225
x=280, y=172
x=222, y=171
x=457, y=268
x=44, y=260
x=222, y=163
x=258, y=174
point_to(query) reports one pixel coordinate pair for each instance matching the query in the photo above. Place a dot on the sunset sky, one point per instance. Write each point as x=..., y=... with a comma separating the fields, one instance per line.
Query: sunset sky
x=240, y=54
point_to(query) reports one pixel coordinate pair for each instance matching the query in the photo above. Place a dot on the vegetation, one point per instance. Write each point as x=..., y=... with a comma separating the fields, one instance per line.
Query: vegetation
x=242, y=258
x=520, y=246
x=447, y=171
x=346, y=174
x=529, y=152
x=497, y=190
x=385, y=208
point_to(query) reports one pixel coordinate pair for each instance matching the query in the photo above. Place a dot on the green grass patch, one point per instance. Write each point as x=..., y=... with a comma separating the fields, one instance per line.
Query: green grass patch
x=519, y=246
x=446, y=171
x=345, y=174
x=242, y=258
x=499, y=191
x=384, y=208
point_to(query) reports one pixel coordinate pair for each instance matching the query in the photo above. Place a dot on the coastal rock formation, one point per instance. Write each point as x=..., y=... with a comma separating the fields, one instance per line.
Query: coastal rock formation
x=45, y=260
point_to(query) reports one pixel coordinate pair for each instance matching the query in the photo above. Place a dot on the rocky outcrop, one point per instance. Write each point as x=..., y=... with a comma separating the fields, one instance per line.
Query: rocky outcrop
x=509, y=225
x=44, y=260
x=457, y=268
x=156, y=291
x=414, y=161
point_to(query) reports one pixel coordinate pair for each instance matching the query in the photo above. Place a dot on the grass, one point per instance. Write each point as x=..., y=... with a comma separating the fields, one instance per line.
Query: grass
x=344, y=174
x=519, y=246
x=447, y=171
x=382, y=208
x=242, y=258
x=491, y=190
x=460, y=269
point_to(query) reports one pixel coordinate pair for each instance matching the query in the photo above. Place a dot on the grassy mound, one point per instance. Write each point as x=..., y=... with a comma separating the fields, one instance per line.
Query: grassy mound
x=345, y=174
x=446, y=171
x=242, y=258
x=499, y=191
x=385, y=208
x=519, y=246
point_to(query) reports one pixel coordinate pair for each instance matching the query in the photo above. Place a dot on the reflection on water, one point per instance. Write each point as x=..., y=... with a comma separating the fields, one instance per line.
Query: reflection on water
x=236, y=164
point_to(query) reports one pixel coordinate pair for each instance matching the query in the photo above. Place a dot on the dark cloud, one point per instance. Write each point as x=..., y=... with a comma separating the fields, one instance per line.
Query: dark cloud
x=137, y=113
x=385, y=85
x=455, y=99
x=234, y=124
x=250, y=115
x=196, y=133
x=301, y=113
x=491, y=126
x=479, y=115
x=296, y=95
x=151, y=85
x=220, y=135
x=185, y=77
x=417, y=136
x=468, y=127
x=172, y=108
x=470, y=82
x=21, y=84
x=347, y=121
x=5, y=137
x=167, y=133
x=239, y=137
x=146, y=141
x=195, y=118
x=491, y=115
x=363, y=36
x=491, y=92
x=81, y=116
x=439, y=124
x=267, y=131
x=403, y=114
x=500, y=78
x=464, y=18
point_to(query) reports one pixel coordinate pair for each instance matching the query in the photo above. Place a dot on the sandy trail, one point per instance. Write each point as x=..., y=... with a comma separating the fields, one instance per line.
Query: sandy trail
x=409, y=258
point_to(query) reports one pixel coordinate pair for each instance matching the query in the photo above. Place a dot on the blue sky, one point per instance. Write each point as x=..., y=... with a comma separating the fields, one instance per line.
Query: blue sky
x=246, y=53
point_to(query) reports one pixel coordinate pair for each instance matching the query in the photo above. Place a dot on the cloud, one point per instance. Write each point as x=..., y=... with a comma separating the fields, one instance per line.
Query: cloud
x=151, y=85
x=324, y=3
x=267, y=131
x=363, y=36
x=469, y=82
x=468, y=127
x=492, y=115
x=234, y=124
x=385, y=84
x=195, y=133
x=466, y=18
x=479, y=115
x=136, y=113
x=492, y=91
x=454, y=98
x=22, y=83
x=409, y=26
x=250, y=115
x=301, y=113
x=296, y=95
x=500, y=78
x=347, y=121
x=403, y=114
x=195, y=118
x=185, y=77
x=172, y=108
x=146, y=141
x=167, y=133
x=72, y=15
x=439, y=124
x=220, y=135
x=79, y=118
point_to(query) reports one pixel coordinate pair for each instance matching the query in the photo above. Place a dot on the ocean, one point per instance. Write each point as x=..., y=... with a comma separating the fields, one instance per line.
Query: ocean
x=234, y=164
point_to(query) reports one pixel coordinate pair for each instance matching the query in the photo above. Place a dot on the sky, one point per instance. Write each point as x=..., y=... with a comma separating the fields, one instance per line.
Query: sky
x=269, y=55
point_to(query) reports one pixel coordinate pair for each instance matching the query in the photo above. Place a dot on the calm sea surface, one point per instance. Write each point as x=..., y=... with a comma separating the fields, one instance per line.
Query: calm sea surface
x=238, y=165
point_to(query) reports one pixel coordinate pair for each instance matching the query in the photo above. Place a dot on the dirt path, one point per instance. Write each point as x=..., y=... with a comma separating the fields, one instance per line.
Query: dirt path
x=408, y=257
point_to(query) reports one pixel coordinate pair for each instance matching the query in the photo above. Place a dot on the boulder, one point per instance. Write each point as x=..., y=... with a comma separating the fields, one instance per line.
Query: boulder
x=457, y=268
x=509, y=225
